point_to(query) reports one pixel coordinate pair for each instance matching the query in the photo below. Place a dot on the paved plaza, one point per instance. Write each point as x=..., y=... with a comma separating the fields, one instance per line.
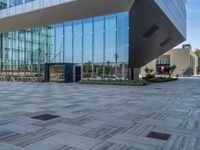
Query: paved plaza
x=54, y=116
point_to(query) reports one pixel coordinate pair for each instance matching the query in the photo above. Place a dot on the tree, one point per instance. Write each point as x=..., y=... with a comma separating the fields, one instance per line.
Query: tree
x=87, y=69
x=171, y=70
x=197, y=52
x=109, y=69
x=149, y=73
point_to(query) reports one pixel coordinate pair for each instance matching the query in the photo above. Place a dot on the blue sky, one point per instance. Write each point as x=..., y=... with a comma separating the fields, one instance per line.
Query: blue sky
x=193, y=23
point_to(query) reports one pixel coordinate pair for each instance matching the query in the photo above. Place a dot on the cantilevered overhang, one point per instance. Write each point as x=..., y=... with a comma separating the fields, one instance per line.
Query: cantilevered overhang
x=151, y=33
x=59, y=12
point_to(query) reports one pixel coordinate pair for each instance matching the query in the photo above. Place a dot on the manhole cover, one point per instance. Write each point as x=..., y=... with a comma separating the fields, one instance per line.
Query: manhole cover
x=158, y=135
x=45, y=117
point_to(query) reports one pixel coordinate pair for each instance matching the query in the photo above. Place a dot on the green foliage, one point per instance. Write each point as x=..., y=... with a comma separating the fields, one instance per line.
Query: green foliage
x=98, y=69
x=161, y=79
x=87, y=69
x=171, y=70
x=109, y=69
x=114, y=82
x=149, y=73
x=197, y=52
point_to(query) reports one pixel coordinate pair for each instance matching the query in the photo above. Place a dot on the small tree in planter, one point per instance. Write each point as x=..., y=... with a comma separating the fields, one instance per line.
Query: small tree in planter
x=149, y=73
x=171, y=70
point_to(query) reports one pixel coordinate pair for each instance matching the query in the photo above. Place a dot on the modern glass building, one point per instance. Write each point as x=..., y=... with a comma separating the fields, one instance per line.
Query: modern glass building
x=99, y=44
x=24, y=52
x=109, y=42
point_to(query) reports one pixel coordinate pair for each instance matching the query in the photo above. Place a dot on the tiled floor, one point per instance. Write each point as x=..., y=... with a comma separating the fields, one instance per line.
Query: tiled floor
x=100, y=117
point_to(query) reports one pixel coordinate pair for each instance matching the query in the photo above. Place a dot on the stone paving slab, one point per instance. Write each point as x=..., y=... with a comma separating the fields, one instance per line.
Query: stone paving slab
x=93, y=117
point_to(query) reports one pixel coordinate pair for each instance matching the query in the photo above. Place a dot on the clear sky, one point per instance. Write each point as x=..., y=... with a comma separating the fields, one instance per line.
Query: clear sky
x=193, y=23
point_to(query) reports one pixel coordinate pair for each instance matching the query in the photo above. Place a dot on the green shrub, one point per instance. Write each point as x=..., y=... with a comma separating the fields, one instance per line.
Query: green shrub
x=149, y=73
x=114, y=82
x=161, y=79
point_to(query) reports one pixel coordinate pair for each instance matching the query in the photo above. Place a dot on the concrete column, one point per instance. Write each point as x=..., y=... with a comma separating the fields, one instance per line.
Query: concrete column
x=123, y=71
x=74, y=73
x=135, y=73
x=92, y=71
x=81, y=72
x=103, y=71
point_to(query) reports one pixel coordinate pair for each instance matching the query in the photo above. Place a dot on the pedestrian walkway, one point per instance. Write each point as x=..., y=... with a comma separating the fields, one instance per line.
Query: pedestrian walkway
x=51, y=116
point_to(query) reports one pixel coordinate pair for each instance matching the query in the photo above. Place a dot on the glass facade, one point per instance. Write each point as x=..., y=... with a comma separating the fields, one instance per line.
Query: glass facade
x=3, y=4
x=24, y=52
x=99, y=45
x=15, y=2
x=94, y=40
x=10, y=3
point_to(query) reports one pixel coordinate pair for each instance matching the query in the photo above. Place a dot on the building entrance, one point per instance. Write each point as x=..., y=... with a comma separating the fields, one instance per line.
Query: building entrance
x=57, y=73
x=77, y=73
x=60, y=72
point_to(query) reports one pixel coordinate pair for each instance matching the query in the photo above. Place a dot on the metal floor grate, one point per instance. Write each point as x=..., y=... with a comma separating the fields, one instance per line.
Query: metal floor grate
x=158, y=135
x=45, y=117
x=158, y=88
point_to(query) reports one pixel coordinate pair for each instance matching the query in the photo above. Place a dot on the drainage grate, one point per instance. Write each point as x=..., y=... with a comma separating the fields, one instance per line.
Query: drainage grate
x=158, y=88
x=196, y=93
x=45, y=117
x=158, y=135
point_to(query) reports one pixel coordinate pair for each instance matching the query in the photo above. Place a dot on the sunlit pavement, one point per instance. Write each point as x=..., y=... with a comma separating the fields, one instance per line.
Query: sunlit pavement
x=55, y=116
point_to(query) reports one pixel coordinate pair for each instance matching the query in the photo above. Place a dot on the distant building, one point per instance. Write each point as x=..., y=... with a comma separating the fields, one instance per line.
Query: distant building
x=185, y=59
x=187, y=46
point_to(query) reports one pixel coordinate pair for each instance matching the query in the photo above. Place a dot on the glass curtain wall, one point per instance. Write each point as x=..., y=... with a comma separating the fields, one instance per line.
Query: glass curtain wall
x=23, y=53
x=99, y=44
x=4, y=3
x=15, y=2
